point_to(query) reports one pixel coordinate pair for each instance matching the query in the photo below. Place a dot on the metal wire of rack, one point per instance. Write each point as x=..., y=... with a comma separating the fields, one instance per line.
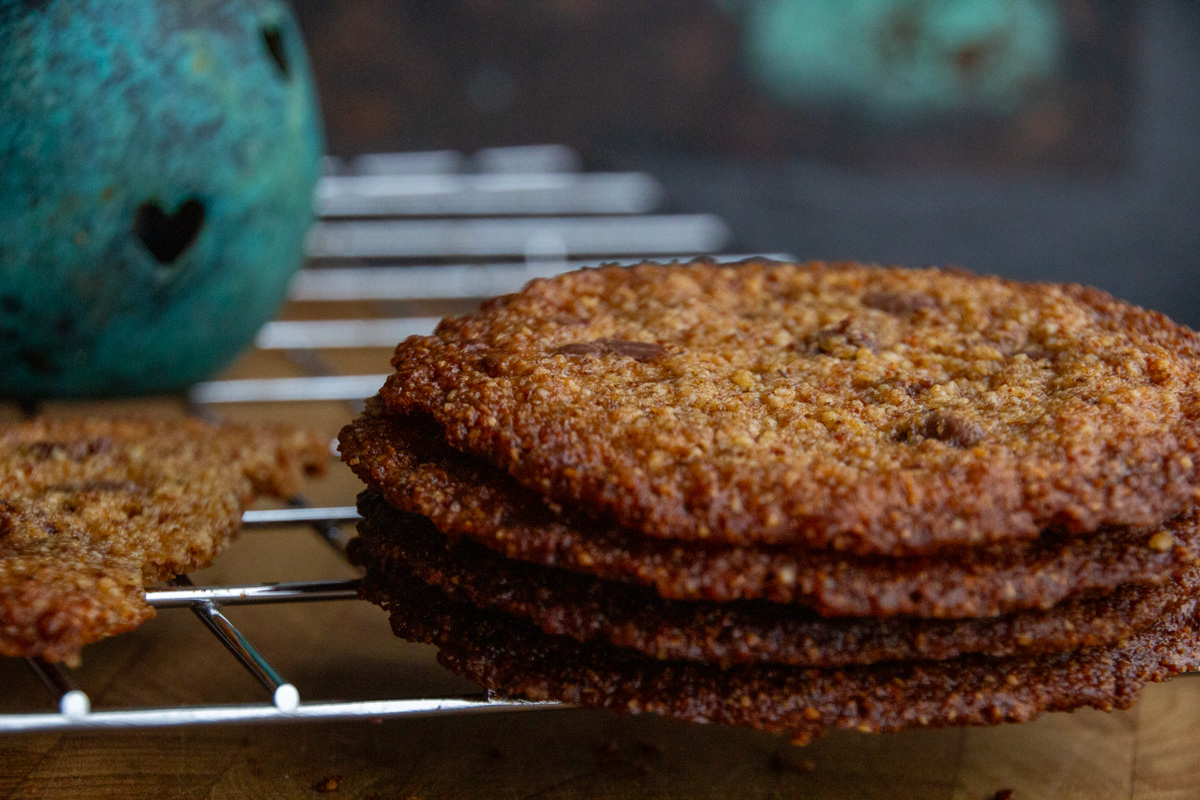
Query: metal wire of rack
x=74, y=711
x=528, y=212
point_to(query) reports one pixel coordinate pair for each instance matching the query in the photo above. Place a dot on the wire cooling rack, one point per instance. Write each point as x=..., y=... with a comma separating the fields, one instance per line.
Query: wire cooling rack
x=206, y=602
x=408, y=227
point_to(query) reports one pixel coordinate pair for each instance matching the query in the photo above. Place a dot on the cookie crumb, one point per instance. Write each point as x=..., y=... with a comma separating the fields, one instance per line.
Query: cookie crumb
x=899, y=302
x=1161, y=542
x=638, y=351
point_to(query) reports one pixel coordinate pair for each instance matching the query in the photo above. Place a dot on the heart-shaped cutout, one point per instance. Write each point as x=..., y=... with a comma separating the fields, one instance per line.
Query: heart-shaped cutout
x=165, y=235
x=273, y=39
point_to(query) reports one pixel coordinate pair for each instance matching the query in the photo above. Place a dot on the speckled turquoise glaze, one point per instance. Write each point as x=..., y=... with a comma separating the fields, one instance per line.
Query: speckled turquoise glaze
x=157, y=162
x=900, y=60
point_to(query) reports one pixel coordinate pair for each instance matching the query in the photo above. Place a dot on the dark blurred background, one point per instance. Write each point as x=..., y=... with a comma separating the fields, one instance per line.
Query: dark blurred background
x=1037, y=139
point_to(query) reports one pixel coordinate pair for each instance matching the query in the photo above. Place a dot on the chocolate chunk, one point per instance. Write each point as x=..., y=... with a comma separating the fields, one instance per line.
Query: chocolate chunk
x=898, y=302
x=103, y=487
x=1037, y=353
x=581, y=349
x=945, y=427
x=638, y=351
x=568, y=319
x=493, y=364
x=842, y=340
x=73, y=451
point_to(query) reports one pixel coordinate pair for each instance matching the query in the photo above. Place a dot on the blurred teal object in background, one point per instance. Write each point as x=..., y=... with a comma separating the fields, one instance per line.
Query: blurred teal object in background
x=157, y=163
x=899, y=60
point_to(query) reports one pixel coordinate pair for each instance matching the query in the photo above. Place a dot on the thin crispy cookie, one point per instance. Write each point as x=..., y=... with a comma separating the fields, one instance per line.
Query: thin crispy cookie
x=92, y=511
x=871, y=410
x=407, y=460
x=515, y=659
x=396, y=547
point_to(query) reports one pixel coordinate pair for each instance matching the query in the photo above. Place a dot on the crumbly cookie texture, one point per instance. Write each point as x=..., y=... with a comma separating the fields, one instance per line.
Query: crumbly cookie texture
x=396, y=547
x=866, y=409
x=92, y=511
x=513, y=658
x=407, y=459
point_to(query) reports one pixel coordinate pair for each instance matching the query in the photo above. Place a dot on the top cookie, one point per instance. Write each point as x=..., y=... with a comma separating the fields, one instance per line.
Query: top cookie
x=865, y=409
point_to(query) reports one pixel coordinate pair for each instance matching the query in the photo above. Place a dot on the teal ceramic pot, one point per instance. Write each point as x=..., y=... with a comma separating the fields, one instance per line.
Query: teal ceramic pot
x=157, y=164
x=900, y=60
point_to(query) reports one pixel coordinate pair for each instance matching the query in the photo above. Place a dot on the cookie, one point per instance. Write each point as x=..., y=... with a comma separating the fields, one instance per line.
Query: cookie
x=408, y=461
x=92, y=511
x=877, y=411
x=396, y=547
x=513, y=658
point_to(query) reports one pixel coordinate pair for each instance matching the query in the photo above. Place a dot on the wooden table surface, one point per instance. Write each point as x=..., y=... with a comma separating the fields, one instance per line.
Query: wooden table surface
x=345, y=650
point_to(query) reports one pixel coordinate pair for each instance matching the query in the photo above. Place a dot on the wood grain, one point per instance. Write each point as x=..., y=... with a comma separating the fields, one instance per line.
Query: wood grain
x=1167, y=740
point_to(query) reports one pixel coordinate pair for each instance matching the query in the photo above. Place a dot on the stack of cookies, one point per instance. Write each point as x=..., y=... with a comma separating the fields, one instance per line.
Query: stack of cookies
x=792, y=497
